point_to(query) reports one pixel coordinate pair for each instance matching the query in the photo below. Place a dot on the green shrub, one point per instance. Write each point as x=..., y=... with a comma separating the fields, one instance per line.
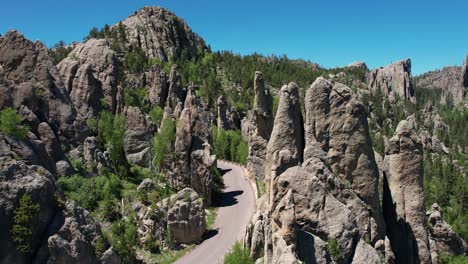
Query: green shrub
x=229, y=145
x=111, y=130
x=162, y=142
x=444, y=259
x=88, y=192
x=123, y=237
x=334, y=250
x=238, y=255
x=21, y=231
x=156, y=114
x=10, y=122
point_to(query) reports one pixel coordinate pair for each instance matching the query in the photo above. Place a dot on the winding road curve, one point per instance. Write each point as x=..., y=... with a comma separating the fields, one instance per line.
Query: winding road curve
x=237, y=207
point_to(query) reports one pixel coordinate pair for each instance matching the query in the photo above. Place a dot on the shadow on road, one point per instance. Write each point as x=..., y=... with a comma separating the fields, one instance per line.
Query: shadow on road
x=224, y=171
x=229, y=198
x=210, y=233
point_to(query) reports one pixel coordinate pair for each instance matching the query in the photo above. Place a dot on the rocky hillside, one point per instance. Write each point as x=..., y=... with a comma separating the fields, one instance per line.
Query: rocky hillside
x=108, y=151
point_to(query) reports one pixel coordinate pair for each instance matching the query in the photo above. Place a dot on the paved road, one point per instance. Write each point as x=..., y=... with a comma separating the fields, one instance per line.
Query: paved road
x=237, y=207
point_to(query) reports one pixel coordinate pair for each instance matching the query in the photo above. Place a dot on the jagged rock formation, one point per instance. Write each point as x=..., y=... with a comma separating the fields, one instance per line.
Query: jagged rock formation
x=176, y=93
x=403, y=197
x=446, y=241
x=337, y=123
x=30, y=83
x=90, y=77
x=182, y=213
x=393, y=80
x=193, y=150
x=448, y=81
x=286, y=145
x=260, y=119
x=139, y=131
x=161, y=34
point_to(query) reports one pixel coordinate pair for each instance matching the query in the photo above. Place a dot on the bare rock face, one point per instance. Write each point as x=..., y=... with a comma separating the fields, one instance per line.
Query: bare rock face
x=336, y=122
x=286, y=144
x=365, y=254
x=31, y=82
x=447, y=242
x=90, y=75
x=161, y=34
x=186, y=218
x=449, y=81
x=261, y=125
x=403, y=196
x=393, y=80
x=139, y=131
x=157, y=82
x=193, y=150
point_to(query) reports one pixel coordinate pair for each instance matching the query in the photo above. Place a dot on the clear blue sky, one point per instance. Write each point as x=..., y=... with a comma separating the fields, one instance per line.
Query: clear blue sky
x=433, y=33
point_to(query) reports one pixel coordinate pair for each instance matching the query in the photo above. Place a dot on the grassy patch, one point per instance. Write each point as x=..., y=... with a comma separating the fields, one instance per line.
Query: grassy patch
x=166, y=257
x=261, y=188
x=238, y=255
x=211, y=217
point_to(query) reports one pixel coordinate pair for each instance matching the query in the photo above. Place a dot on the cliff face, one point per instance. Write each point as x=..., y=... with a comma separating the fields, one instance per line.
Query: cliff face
x=393, y=80
x=449, y=82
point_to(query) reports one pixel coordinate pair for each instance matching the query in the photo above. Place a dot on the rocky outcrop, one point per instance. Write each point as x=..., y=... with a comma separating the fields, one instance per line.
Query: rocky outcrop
x=358, y=64
x=182, y=214
x=193, y=150
x=336, y=124
x=74, y=241
x=139, y=131
x=161, y=35
x=31, y=84
x=90, y=77
x=260, y=119
x=448, y=81
x=403, y=196
x=393, y=80
x=447, y=242
x=286, y=145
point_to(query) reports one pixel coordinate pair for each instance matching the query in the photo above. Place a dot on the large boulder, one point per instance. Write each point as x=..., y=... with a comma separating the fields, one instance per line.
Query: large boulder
x=186, y=217
x=156, y=81
x=336, y=124
x=403, y=196
x=90, y=76
x=138, y=135
x=182, y=215
x=393, y=80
